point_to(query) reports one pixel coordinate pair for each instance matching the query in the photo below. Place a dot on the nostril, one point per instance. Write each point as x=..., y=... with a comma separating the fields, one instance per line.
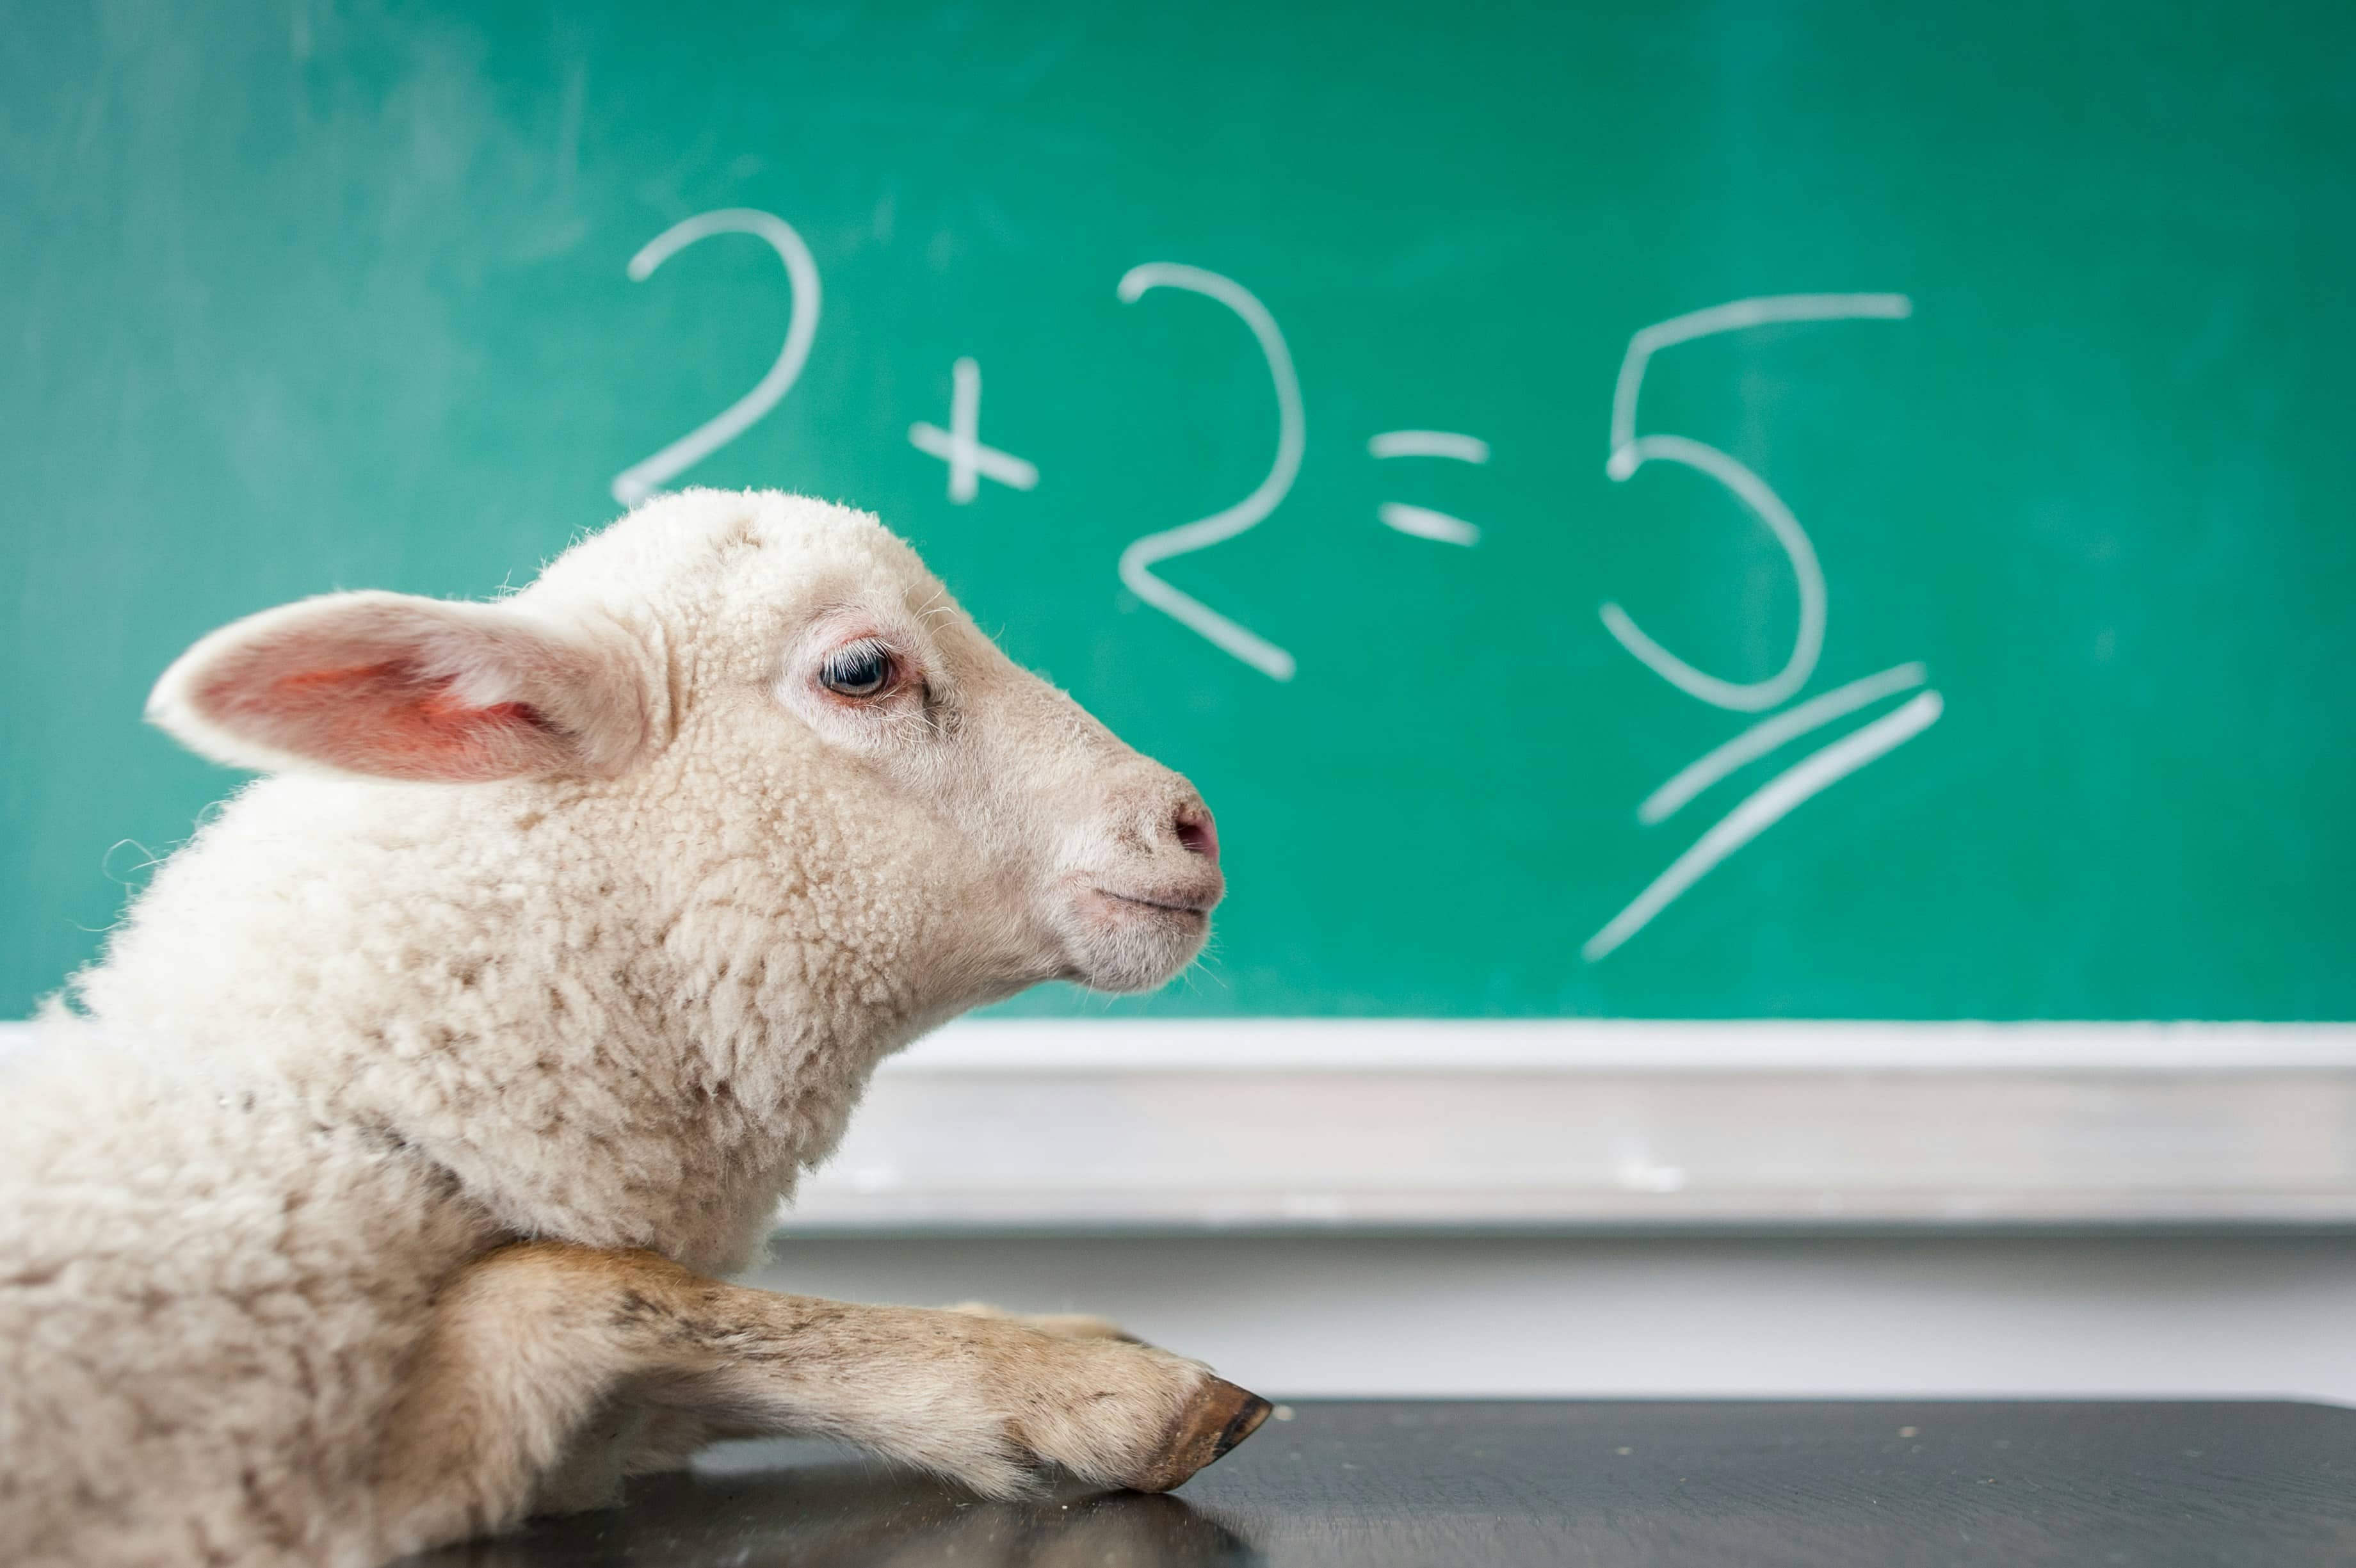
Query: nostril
x=1197, y=832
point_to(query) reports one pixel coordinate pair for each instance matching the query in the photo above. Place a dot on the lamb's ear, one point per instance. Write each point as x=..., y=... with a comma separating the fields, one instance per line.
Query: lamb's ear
x=390, y=686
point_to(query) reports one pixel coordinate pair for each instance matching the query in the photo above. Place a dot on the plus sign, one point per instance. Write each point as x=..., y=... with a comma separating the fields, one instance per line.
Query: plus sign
x=960, y=445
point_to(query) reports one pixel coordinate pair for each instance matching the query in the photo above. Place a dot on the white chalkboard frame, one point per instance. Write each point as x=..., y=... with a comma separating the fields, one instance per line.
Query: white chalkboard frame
x=1287, y=1124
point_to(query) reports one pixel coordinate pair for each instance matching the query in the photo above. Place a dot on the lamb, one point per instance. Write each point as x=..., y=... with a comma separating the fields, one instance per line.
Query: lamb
x=374, y=1190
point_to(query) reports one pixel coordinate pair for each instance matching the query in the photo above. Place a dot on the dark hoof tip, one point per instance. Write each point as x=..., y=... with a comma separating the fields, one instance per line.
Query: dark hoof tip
x=1244, y=1422
x=1221, y=1416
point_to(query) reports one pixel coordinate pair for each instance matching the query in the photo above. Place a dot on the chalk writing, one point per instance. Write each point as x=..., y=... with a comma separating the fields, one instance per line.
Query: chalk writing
x=1137, y=562
x=641, y=479
x=1772, y=801
x=961, y=444
x=969, y=461
x=1422, y=522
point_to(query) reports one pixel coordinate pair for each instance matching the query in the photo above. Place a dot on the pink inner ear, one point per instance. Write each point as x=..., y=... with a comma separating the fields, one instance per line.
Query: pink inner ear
x=386, y=719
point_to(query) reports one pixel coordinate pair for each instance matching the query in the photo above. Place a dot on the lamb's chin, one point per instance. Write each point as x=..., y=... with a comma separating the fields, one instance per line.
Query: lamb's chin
x=1122, y=944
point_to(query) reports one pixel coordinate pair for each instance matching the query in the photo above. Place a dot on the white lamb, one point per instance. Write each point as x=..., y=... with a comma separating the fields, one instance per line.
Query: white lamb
x=371, y=1194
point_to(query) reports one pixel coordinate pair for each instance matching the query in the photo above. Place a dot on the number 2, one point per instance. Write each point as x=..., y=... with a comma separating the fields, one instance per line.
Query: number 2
x=1137, y=562
x=641, y=479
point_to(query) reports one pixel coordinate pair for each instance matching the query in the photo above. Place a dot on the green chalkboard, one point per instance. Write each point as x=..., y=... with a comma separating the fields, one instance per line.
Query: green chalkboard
x=1561, y=394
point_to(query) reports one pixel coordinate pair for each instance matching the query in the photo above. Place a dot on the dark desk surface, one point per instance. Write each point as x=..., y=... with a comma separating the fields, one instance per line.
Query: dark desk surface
x=1468, y=1485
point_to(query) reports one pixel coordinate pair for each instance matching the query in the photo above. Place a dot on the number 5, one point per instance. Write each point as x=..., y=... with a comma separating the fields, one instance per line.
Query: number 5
x=1630, y=452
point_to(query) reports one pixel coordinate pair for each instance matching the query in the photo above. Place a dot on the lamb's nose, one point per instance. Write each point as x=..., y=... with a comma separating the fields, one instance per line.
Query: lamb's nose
x=1197, y=830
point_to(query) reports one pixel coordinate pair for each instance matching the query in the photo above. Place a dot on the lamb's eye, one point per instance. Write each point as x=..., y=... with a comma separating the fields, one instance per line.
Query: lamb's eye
x=859, y=669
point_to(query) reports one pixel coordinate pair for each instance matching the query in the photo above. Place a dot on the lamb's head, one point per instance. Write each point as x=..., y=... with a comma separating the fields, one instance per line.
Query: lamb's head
x=771, y=692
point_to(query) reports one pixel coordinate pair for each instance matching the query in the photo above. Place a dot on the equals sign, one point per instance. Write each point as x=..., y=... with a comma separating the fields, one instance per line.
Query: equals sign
x=1422, y=522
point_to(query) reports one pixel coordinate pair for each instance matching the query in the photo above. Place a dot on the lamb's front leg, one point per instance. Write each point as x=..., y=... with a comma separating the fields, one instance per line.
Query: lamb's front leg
x=533, y=1343
x=1062, y=1325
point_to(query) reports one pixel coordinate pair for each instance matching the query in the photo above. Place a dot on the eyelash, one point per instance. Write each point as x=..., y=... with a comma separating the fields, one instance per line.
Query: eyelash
x=840, y=668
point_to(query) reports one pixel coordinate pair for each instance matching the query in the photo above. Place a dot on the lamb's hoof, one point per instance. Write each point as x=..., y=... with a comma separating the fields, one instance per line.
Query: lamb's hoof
x=1221, y=1416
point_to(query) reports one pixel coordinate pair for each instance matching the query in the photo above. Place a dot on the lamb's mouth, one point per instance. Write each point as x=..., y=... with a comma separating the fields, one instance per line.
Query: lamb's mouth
x=1139, y=939
x=1194, y=910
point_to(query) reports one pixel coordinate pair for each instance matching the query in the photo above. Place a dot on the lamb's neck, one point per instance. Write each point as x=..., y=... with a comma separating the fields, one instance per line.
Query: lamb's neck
x=615, y=1029
x=613, y=1048
x=659, y=1077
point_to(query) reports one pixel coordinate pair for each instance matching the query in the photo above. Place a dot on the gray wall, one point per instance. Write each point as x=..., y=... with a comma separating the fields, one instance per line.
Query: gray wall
x=1825, y=1317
